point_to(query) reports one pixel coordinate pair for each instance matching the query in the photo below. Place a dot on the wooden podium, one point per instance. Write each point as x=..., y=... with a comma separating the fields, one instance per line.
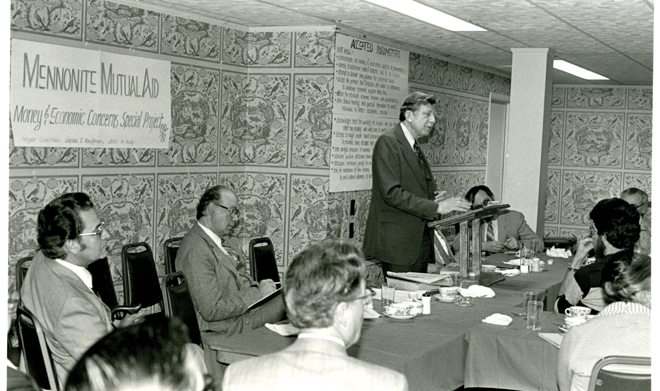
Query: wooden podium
x=469, y=255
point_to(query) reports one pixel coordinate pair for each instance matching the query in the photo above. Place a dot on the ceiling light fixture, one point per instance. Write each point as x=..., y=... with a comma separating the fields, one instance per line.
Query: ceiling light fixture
x=577, y=71
x=427, y=14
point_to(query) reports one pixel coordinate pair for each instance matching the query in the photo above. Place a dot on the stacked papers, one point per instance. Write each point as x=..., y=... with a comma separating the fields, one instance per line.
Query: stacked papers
x=498, y=319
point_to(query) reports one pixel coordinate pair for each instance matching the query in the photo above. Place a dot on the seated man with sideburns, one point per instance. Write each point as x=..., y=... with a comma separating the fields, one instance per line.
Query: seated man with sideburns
x=614, y=232
x=325, y=296
x=58, y=288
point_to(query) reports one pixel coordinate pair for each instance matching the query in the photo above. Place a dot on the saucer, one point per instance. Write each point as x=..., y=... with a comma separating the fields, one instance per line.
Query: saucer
x=401, y=317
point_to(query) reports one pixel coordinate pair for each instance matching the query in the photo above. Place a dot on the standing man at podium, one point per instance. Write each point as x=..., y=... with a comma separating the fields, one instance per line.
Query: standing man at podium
x=403, y=195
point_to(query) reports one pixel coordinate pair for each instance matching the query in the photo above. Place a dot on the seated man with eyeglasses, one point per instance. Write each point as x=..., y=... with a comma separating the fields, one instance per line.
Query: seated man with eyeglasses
x=57, y=289
x=639, y=199
x=614, y=231
x=220, y=285
x=325, y=296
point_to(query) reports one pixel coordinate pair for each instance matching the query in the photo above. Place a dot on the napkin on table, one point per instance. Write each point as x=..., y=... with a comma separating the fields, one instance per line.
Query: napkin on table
x=508, y=272
x=513, y=262
x=283, y=329
x=498, y=319
x=369, y=312
x=558, y=252
x=478, y=291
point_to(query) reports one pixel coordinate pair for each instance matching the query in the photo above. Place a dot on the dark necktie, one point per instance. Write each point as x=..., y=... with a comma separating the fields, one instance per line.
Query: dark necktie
x=422, y=162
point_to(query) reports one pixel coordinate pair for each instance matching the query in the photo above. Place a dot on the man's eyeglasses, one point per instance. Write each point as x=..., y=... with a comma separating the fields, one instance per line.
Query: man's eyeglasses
x=234, y=212
x=98, y=231
x=370, y=293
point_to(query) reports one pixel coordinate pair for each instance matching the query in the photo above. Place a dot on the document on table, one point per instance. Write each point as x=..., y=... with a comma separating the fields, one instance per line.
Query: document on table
x=424, y=278
x=554, y=338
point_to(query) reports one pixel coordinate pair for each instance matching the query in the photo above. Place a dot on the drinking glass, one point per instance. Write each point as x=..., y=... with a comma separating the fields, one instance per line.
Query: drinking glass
x=527, y=297
x=387, y=296
x=534, y=311
x=456, y=280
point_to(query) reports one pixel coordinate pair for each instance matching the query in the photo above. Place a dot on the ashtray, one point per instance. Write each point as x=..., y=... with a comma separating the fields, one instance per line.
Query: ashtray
x=463, y=301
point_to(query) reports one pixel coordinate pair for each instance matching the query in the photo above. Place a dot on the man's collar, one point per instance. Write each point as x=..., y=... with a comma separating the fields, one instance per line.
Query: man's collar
x=408, y=135
x=79, y=271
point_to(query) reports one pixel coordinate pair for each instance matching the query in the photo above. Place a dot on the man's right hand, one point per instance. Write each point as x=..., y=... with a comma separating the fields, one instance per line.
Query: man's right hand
x=266, y=287
x=131, y=319
x=492, y=246
x=584, y=246
x=453, y=204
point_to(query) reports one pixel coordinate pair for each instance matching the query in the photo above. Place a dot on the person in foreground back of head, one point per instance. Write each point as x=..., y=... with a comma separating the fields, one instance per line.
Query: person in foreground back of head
x=153, y=355
x=622, y=328
x=614, y=231
x=325, y=295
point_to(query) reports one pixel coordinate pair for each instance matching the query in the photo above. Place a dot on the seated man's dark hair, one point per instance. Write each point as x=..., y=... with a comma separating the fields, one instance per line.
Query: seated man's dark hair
x=60, y=221
x=618, y=221
x=320, y=277
x=474, y=190
x=150, y=355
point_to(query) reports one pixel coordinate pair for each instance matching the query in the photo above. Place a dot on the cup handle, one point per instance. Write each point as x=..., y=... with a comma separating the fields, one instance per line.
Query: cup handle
x=567, y=311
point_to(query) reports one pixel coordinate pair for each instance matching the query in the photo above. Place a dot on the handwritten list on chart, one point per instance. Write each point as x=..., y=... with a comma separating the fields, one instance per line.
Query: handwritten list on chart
x=371, y=82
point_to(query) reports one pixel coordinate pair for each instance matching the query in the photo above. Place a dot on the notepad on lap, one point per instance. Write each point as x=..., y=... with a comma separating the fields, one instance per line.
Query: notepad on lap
x=265, y=299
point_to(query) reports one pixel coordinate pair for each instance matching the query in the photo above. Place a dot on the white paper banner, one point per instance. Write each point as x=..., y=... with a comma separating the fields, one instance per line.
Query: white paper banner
x=371, y=82
x=70, y=97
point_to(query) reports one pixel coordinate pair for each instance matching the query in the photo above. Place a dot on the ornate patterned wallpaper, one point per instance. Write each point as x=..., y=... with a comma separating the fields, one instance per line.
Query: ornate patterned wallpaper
x=253, y=111
x=600, y=144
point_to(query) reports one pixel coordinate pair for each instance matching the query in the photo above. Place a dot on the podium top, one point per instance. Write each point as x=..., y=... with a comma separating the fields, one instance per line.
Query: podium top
x=480, y=213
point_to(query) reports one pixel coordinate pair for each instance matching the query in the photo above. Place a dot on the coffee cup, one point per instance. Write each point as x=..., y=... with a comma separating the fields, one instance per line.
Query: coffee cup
x=417, y=306
x=573, y=321
x=400, y=309
x=578, y=311
x=448, y=292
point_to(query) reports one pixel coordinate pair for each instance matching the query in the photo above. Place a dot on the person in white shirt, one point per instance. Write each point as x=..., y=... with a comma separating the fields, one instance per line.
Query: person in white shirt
x=57, y=288
x=325, y=296
x=622, y=328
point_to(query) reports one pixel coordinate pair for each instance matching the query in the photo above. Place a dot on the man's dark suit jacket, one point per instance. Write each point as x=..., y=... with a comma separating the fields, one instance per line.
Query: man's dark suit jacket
x=401, y=201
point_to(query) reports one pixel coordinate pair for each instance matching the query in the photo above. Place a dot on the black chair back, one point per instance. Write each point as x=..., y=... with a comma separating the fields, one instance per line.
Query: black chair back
x=102, y=282
x=263, y=264
x=178, y=304
x=603, y=379
x=35, y=350
x=21, y=270
x=141, y=284
x=171, y=248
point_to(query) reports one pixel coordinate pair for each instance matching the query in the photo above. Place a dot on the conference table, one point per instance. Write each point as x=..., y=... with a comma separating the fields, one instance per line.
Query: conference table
x=441, y=351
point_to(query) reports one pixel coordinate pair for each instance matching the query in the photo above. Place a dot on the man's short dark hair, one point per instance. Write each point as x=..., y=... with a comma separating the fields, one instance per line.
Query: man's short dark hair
x=60, y=221
x=210, y=195
x=472, y=193
x=414, y=101
x=618, y=221
x=151, y=354
x=320, y=277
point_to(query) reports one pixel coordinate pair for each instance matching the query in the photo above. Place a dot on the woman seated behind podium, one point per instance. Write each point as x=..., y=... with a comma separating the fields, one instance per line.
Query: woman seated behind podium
x=507, y=230
x=622, y=328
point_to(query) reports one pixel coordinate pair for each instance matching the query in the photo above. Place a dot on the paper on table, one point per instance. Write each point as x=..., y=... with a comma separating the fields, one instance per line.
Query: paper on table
x=283, y=329
x=424, y=278
x=478, y=291
x=370, y=313
x=515, y=262
x=498, y=319
x=508, y=272
x=558, y=252
x=554, y=338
